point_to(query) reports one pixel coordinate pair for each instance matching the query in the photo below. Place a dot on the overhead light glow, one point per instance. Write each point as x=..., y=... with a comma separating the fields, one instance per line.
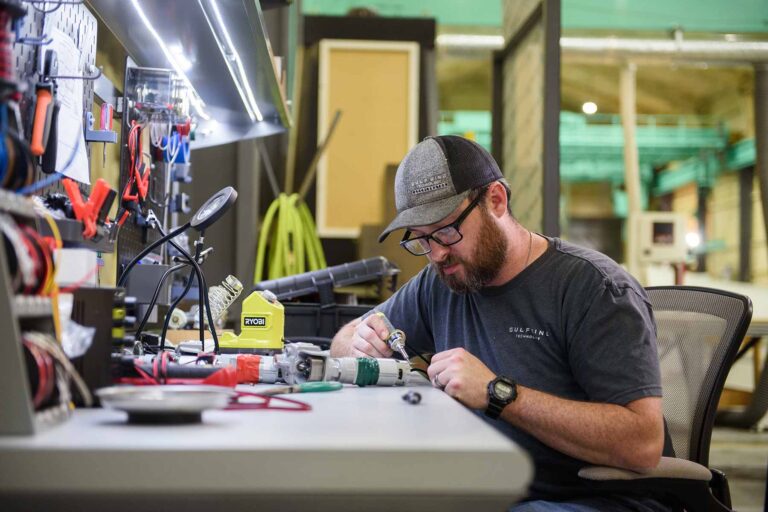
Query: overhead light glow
x=178, y=54
x=233, y=60
x=475, y=41
x=692, y=239
x=589, y=108
x=197, y=102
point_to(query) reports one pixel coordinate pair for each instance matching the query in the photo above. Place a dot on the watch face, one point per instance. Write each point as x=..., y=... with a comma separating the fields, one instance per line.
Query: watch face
x=502, y=390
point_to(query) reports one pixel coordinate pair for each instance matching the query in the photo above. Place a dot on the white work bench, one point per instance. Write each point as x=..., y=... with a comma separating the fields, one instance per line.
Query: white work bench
x=357, y=449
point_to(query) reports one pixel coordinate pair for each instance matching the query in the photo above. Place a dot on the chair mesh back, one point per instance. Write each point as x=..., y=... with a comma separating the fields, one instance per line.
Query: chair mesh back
x=698, y=331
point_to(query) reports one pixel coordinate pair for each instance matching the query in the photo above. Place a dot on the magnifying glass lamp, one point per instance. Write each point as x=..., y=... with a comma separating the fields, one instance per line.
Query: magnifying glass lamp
x=211, y=211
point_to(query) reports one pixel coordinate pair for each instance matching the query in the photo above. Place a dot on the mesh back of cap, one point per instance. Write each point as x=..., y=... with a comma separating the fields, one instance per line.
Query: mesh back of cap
x=695, y=329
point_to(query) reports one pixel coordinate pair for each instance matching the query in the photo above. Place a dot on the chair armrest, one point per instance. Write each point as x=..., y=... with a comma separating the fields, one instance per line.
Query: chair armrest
x=669, y=467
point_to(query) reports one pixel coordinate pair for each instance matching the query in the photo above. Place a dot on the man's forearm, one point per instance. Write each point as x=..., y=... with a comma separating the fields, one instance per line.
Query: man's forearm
x=341, y=346
x=630, y=437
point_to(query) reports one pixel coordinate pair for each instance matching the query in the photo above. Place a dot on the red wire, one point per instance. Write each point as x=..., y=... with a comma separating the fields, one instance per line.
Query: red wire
x=32, y=254
x=6, y=49
x=71, y=288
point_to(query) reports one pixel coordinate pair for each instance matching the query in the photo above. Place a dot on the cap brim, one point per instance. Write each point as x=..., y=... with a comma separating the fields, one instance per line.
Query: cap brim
x=424, y=214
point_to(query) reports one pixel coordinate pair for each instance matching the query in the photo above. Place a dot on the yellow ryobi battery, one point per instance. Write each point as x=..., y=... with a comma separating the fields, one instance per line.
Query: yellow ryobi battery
x=262, y=325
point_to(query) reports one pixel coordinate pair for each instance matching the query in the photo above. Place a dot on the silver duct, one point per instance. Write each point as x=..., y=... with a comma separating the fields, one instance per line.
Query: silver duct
x=638, y=50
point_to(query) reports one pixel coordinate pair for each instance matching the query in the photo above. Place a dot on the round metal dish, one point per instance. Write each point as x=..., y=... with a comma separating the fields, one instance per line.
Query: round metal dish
x=164, y=404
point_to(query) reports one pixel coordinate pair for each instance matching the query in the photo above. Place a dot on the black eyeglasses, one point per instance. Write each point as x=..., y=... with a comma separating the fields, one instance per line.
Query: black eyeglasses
x=445, y=236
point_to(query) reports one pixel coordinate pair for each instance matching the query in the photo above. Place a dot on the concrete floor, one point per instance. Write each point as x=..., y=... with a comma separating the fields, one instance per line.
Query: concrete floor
x=743, y=456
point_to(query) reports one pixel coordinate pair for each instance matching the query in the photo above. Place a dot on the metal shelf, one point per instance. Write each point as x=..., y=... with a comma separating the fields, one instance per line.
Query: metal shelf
x=15, y=204
x=72, y=235
x=32, y=306
x=183, y=27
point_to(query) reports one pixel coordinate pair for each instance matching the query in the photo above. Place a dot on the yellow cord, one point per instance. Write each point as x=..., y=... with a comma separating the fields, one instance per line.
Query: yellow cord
x=51, y=288
x=289, y=234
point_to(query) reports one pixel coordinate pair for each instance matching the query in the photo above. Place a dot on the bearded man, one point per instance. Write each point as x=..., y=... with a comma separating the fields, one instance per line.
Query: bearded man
x=552, y=343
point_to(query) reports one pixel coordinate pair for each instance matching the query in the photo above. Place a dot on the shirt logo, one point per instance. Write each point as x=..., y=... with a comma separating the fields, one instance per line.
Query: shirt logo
x=529, y=333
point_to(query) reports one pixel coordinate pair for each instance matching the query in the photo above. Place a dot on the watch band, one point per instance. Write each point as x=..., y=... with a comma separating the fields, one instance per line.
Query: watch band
x=494, y=409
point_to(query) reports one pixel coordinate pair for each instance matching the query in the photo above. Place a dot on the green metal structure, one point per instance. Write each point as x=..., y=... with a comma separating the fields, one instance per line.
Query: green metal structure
x=735, y=16
x=690, y=149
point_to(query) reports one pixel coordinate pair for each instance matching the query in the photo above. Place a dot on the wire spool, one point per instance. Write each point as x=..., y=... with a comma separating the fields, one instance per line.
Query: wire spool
x=20, y=261
x=41, y=371
x=30, y=259
x=44, y=259
x=25, y=167
x=10, y=162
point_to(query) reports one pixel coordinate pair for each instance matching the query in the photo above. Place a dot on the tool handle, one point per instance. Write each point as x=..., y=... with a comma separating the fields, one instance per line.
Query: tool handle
x=320, y=386
x=372, y=312
x=78, y=205
x=42, y=118
x=49, y=156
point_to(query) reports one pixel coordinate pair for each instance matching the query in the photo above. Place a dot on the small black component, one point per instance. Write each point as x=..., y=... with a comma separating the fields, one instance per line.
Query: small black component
x=412, y=397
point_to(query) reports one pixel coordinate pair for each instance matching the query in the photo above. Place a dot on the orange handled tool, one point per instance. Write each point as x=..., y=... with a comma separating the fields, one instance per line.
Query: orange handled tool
x=88, y=213
x=42, y=124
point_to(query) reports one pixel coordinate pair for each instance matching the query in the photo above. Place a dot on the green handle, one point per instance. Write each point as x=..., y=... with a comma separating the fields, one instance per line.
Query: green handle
x=314, y=387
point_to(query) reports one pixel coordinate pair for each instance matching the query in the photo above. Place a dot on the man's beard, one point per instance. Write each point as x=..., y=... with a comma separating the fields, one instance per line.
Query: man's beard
x=485, y=263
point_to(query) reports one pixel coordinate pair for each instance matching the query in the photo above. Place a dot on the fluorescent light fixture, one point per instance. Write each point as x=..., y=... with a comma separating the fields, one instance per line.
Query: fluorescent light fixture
x=178, y=53
x=232, y=59
x=473, y=41
x=692, y=239
x=589, y=108
x=197, y=102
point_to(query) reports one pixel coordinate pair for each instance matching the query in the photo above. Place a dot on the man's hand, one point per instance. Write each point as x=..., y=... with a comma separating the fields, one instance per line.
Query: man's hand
x=367, y=338
x=463, y=376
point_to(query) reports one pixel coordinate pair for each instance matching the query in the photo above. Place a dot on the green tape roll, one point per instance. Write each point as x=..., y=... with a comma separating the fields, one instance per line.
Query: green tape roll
x=367, y=371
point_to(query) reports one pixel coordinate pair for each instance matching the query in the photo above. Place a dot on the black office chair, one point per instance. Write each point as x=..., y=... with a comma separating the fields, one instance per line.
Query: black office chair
x=699, y=331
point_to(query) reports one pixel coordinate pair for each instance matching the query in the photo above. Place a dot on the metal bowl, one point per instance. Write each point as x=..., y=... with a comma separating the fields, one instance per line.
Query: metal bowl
x=165, y=404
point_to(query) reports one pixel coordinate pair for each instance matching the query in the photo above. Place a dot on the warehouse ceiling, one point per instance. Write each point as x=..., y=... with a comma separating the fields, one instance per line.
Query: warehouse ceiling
x=464, y=76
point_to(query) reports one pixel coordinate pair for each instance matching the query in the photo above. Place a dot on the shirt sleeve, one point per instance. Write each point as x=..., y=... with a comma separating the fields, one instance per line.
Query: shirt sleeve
x=406, y=309
x=612, y=351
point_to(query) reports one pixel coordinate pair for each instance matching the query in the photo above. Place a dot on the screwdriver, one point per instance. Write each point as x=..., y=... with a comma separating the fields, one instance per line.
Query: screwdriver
x=395, y=338
x=307, y=387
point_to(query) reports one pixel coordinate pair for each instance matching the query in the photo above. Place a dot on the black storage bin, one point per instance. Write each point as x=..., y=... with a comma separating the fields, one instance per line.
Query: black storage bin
x=318, y=324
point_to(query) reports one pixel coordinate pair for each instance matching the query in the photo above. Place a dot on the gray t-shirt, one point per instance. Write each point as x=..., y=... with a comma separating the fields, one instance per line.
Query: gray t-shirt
x=573, y=324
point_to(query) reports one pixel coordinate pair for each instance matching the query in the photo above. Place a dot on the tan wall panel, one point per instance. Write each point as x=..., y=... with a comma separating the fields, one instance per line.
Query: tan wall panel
x=523, y=128
x=722, y=224
x=373, y=84
x=589, y=200
x=686, y=199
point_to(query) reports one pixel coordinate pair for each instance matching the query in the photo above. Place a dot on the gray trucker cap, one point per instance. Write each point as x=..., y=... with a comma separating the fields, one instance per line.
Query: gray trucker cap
x=434, y=178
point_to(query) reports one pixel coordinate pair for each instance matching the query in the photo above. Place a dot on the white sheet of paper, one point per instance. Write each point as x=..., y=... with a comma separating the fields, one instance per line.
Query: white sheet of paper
x=71, y=116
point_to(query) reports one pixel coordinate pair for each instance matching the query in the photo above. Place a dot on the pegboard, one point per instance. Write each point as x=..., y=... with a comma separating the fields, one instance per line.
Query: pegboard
x=133, y=237
x=77, y=22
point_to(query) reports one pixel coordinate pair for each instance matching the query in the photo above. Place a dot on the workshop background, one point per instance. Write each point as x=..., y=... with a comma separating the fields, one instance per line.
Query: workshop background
x=638, y=128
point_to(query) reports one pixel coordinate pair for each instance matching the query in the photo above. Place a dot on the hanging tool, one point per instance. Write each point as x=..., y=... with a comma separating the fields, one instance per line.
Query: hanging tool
x=395, y=338
x=44, y=127
x=106, y=124
x=307, y=387
x=94, y=211
x=135, y=191
x=104, y=133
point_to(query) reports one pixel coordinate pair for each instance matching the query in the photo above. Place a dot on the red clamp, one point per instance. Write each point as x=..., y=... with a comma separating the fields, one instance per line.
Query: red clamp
x=91, y=212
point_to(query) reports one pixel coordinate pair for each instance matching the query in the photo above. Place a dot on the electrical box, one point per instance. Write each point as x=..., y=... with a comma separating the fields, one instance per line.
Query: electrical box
x=661, y=237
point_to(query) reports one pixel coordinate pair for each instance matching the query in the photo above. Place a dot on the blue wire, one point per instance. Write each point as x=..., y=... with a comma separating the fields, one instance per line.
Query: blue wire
x=50, y=180
x=34, y=187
